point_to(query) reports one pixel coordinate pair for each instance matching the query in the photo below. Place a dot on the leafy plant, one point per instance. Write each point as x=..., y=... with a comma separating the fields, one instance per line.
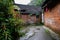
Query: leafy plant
x=9, y=23
x=36, y=2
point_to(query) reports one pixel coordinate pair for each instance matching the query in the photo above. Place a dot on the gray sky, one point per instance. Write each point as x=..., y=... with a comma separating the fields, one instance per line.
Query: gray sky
x=25, y=2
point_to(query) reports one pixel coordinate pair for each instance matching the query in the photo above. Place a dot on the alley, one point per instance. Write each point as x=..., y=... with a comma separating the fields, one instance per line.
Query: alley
x=37, y=33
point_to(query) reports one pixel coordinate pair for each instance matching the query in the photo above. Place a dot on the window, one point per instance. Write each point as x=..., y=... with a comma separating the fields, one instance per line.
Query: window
x=37, y=16
x=22, y=10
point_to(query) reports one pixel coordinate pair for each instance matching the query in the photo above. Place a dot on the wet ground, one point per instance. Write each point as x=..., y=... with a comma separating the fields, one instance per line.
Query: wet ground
x=36, y=33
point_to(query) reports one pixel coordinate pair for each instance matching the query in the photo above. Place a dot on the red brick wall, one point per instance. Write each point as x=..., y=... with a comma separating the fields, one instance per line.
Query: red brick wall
x=40, y=18
x=28, y=17
x=52, y=19
x=33, y=18
x=24, y=17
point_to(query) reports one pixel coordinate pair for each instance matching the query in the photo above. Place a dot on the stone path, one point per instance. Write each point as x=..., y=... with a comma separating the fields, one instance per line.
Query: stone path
x=36, y=33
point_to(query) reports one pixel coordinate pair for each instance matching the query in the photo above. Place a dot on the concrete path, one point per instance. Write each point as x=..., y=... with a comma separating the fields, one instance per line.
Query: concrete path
x=39, y=35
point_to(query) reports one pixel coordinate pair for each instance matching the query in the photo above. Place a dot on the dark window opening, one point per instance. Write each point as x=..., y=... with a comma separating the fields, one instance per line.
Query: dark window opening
x=22, y=10
x=25, y=13
x=15, y=10
x=33, y=14
x=37, y=16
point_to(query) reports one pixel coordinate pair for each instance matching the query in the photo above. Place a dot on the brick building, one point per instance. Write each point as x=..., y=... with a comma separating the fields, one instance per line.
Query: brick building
x=52, y=14
x=30, y=14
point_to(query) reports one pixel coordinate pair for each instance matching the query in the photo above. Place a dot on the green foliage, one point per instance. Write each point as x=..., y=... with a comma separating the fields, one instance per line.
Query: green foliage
x=9, y=25
x=36, y=2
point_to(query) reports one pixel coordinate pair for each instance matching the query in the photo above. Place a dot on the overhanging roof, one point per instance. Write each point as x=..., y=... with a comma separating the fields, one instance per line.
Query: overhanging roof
x=30, y=9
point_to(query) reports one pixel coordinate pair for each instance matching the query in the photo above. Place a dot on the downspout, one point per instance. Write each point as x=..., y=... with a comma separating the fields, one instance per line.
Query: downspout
x=42, y=15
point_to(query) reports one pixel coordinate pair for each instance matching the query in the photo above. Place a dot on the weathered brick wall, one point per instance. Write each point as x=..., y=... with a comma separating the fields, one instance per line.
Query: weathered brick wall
x=24, y=18
x=33, y=18
x=27, y=18
x=52, y=19
x=40, y=18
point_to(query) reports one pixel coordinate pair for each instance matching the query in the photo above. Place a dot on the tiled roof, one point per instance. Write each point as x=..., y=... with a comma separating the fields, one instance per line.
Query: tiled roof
x=29, y=8
x=50, y=3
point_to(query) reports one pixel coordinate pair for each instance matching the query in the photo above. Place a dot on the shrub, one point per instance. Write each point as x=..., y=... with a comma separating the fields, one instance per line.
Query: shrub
x=9, y=24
